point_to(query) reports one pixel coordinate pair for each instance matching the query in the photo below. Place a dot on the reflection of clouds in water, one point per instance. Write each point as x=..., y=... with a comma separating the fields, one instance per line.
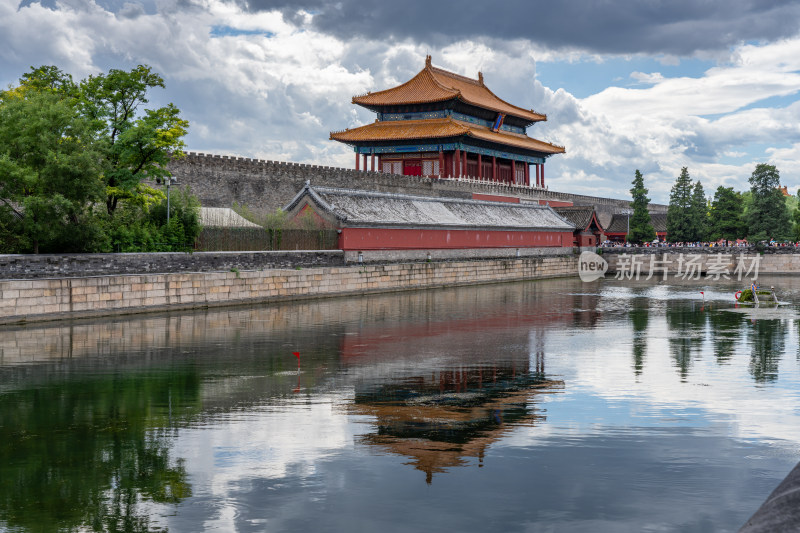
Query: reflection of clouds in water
x=599, y=363
x=227, y=450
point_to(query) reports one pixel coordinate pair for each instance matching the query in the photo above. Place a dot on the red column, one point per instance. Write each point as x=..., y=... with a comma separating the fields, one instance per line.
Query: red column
x=358, y=158
x=457, y=163
x=542, y=175
x=465, y=163
x=441, y=162
x=527, y=175
x=480, y=167
x=538, y=183
x=494, y=168
x=513, y=171
x=373, y=162
x=365, y=162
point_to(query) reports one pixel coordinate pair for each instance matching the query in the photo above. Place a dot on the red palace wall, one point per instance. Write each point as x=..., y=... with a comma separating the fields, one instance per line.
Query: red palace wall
x=495, y=198
x=416, y=239
x=555, y=203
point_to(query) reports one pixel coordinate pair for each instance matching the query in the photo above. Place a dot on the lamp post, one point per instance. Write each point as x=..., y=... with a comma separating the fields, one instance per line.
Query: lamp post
x=627, y=212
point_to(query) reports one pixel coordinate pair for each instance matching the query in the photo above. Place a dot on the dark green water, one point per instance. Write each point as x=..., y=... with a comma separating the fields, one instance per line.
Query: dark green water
x=542, y=406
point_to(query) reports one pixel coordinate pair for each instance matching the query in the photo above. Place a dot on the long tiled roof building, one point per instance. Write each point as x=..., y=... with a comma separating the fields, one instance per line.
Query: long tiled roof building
x=370, y=220
x=444, y=125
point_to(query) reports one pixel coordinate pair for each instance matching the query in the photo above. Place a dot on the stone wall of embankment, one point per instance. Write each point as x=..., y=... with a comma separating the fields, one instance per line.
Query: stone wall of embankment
x=48, y=299
x=708, y=261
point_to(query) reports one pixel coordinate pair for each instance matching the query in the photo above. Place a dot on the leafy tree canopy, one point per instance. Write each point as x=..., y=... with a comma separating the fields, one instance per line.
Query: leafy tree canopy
x=137, y=144
x=66, y=148
x=725, y=217
x=49, y=166
x=768, y=217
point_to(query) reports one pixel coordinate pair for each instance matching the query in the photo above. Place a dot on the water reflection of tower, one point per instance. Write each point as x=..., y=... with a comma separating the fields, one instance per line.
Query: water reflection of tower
x=456, y=375
x=445, y=416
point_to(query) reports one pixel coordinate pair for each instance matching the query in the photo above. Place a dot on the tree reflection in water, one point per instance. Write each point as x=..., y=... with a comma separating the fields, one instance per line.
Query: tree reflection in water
x=768, y=338
x=639, y=317
x=726, y=334
x=87, y=455
x=686, y=333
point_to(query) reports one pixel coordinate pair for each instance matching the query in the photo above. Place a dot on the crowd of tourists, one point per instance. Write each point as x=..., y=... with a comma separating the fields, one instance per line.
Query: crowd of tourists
x=738, y=243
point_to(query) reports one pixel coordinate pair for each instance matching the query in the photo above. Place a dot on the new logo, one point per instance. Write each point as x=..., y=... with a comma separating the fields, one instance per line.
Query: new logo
x=591, y=266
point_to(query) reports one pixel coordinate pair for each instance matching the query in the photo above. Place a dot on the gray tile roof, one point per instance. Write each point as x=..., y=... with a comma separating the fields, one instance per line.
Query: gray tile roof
x=619, y=224
x=223, y=217
x=355, y=208
x=580, y=215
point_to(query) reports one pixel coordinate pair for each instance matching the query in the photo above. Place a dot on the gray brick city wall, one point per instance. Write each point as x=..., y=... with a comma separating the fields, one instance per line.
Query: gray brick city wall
x=263, y=186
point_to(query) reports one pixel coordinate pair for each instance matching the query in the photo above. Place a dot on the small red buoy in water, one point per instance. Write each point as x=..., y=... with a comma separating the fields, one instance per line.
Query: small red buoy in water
x=737, y=295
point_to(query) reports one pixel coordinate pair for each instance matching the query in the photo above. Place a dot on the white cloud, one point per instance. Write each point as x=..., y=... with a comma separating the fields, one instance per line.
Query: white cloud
x=643, y=77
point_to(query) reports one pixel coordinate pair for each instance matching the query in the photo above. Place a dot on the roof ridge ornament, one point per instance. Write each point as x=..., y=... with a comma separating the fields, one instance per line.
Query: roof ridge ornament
x=480, y=77
x=428, y=61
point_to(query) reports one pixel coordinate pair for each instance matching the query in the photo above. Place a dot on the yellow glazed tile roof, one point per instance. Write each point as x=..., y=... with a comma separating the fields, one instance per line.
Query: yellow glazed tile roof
x=439, y=128
x=433, y=84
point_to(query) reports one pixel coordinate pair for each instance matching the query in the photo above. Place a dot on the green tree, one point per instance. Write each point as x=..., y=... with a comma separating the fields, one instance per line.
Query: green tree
x=725, y=219
x=796, y=216
x=699, y=213
x=679, y=219
x=184, y=217
x=768, y=217
x=49, y=169
x=48, y=78
x=136, y=145
x=66, y=147
x=641, y=227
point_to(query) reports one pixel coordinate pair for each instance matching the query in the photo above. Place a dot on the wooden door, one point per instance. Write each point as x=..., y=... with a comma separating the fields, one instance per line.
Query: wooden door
x=412, y=167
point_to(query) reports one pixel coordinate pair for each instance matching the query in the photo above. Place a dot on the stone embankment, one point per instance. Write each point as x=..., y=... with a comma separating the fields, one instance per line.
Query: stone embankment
x=48, y=299
x=716, y=261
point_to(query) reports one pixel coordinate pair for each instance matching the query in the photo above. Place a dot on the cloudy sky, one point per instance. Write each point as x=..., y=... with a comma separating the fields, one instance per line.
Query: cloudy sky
x=655, y=85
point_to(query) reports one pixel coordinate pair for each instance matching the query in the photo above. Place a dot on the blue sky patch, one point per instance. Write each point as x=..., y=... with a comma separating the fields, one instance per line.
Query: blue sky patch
x=228, y=31
x=585, y=78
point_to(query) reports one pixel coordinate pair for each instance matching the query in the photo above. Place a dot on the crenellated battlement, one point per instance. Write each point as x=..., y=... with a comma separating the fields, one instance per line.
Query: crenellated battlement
x=265, y=185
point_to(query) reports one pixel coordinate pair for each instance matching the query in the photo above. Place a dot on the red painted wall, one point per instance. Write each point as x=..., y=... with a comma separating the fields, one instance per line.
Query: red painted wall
x=304, y=213
x=416, y=239
x=555, y=203
x=495, y=198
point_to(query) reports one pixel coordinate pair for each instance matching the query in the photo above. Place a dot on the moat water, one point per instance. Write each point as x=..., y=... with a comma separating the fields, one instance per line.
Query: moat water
x=541, y=406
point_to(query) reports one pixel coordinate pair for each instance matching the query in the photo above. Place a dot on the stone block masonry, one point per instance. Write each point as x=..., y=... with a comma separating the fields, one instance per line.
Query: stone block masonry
x=719, y=261
x=49, y=299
